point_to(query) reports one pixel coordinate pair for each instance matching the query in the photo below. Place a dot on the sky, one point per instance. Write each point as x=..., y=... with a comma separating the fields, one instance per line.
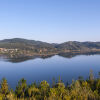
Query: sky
x=53, y=21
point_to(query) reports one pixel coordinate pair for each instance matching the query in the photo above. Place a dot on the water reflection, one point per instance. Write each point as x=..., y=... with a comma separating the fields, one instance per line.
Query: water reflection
x=22, y=59
x=40, y=68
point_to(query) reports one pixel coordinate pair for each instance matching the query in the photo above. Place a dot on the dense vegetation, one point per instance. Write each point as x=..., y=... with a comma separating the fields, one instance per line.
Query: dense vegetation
x=45, y=48
x=79, y=90
x=28, y=45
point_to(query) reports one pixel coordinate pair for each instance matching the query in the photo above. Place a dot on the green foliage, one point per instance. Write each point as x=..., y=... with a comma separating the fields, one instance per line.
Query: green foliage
x=44, y=89
x=78, y=90
x=4, y=87
x=20, y=89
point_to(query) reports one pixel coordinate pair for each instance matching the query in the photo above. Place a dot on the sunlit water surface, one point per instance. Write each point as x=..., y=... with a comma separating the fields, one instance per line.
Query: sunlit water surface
x=45, y=69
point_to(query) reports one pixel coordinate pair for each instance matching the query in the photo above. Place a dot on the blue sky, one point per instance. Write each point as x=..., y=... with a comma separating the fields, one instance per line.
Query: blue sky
x=53, y=21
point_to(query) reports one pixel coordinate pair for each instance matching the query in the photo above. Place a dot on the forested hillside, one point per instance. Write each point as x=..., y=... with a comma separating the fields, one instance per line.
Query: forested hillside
x=18, y=46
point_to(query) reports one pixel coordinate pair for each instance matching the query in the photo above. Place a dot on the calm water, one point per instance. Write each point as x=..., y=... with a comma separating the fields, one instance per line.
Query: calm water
x=45, y=69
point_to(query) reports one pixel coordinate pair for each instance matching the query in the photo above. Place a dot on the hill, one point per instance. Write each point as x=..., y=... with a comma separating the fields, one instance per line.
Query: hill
x=24, y=47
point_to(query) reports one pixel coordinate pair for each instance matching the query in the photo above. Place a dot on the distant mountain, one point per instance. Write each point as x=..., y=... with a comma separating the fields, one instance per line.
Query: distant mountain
x=32, y=47
x=25, y=41
x=24, y=44
x=74, y=45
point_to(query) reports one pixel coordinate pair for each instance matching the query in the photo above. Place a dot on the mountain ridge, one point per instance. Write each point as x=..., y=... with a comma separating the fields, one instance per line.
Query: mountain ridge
x=47, y=42
x=67, y=44
x=25, y=47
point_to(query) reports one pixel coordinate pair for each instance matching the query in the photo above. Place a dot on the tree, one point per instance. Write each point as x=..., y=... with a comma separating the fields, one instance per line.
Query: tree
x=99, y=75
x=91, y=76
x=4, y=87
x=80, y=78
x=20, y=89
x=52, y=94
x=98, y=86
x=44, y=88
x=60, y=87
x=59, y=80
x=33, y=91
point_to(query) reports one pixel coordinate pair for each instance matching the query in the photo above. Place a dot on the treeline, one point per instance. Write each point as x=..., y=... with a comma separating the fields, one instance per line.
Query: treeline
x=43, y=47
x=78, y=90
